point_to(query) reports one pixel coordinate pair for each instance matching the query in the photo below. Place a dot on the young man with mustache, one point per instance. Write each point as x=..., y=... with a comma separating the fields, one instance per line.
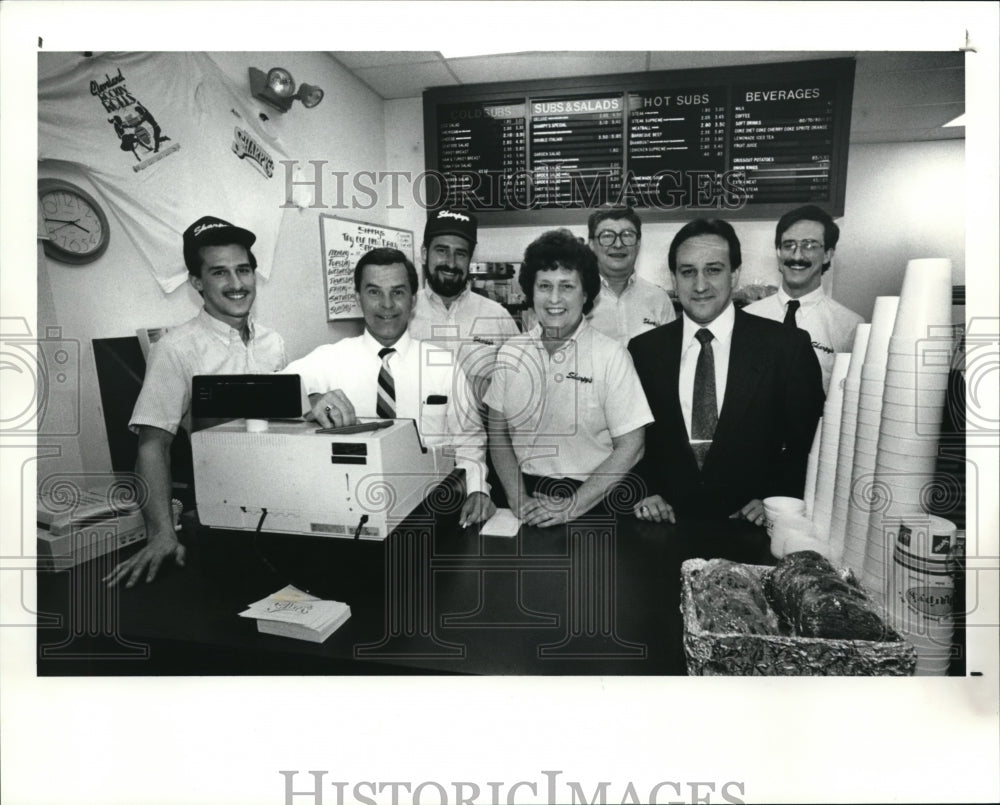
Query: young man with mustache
x=222, y=339
x=805, y=240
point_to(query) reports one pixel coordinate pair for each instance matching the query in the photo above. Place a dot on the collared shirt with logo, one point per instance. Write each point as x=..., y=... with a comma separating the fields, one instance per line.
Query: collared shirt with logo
x=473, y=326
x=640, y=307
x=563, y=410
x=203, y=345
x=830, y=325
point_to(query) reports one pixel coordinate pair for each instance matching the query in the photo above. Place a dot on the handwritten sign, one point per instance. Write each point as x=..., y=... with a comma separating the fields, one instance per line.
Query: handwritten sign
x=343, y=242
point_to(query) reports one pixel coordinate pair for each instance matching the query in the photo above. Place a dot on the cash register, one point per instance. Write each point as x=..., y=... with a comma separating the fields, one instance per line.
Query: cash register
x=282, y=474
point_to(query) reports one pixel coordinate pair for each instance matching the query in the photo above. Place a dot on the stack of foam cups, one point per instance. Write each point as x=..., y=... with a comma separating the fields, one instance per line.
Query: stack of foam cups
x=863, y=493
x=922, y=588
x=812, y=468
x=915, y=385
x=829, y=442
x=845, y=447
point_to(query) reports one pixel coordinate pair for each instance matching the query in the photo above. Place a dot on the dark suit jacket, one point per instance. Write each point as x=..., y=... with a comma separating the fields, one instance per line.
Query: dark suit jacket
x=774, y=397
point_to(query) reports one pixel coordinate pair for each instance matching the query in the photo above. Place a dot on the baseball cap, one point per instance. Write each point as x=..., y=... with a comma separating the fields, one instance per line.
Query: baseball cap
x=211, y=231
x=451, y=222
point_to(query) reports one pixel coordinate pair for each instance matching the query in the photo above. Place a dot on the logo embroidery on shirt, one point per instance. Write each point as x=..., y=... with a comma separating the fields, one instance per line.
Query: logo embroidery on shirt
x=482, y=340
x=823, y=347
x=579, y=378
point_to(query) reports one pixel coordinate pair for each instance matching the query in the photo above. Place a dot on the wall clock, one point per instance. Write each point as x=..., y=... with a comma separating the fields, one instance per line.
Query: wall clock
x=74, y=222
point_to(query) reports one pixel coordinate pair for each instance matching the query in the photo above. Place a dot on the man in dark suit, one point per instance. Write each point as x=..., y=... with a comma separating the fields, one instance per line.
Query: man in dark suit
x=735, y=397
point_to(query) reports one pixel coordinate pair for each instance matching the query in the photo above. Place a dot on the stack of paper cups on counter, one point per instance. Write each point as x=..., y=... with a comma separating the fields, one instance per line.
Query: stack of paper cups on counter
x=812, y=468
x=829, y=442
x=913, y=399
x=922, y=588
x=863, y=494
x=845, y=447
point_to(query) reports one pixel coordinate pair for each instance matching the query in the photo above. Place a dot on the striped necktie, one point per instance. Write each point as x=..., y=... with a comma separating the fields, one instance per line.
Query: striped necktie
x=704, y=406
x=793, y=305
x=385, y=407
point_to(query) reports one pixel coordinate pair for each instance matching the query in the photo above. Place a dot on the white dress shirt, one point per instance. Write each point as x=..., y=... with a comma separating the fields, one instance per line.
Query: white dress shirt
x=472, y=325
x=830, y=325
x=722, y=340
x=430, y=389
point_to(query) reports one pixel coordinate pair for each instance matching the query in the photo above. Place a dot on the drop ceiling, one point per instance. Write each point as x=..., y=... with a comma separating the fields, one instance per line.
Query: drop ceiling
x=898, y=96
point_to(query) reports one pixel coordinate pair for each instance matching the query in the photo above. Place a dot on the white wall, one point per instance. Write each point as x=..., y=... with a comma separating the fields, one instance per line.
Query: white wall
x=116, y=294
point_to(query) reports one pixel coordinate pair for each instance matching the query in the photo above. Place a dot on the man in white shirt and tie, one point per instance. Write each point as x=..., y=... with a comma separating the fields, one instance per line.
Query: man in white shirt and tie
x=805, y=241
x=387, y=373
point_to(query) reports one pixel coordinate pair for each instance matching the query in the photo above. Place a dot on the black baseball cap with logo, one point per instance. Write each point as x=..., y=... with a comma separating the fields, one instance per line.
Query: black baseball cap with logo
x=211, y=231
x=449, y=221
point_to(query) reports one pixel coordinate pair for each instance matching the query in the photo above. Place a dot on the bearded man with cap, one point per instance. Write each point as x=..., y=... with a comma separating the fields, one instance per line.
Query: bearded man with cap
x=222, y=339
x=447, y=313
x=804, y=241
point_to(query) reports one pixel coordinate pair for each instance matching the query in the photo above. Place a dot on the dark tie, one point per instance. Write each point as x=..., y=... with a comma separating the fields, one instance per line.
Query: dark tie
x=793, y=305
x=704, y=409
x=386, y=405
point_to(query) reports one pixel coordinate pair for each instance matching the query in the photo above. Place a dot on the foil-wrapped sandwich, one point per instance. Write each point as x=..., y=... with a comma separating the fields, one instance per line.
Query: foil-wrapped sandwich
x=811, y=599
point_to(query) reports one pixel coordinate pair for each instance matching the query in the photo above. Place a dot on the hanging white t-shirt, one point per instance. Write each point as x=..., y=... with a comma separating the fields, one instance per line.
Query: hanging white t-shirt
x=165, y=138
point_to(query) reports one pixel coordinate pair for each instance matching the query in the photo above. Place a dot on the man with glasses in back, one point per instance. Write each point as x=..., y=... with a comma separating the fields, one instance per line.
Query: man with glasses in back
x=805, y=240
x=626, y=305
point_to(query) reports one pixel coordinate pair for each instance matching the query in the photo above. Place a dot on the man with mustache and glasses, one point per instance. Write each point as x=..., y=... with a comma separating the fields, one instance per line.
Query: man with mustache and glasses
x=222, y=339
x=805, y=240
x=447, y=313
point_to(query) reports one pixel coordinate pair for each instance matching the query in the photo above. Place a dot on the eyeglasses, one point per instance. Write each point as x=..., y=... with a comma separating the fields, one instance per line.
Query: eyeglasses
x=628, y=238
x=804, y=246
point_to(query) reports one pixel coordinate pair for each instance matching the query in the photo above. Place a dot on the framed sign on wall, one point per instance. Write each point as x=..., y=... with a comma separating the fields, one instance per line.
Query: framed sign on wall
x=343, y=242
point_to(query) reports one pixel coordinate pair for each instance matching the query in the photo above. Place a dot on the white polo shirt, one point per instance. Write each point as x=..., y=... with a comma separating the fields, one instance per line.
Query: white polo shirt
x=830, y=325
x=563, y=410
x=473, y=326
x=430, y=389
x=640, y=307
x=203, y=345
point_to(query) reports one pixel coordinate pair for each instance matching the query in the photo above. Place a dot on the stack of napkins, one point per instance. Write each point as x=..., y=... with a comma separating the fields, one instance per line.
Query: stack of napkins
x=502, y=524
x=293, y=613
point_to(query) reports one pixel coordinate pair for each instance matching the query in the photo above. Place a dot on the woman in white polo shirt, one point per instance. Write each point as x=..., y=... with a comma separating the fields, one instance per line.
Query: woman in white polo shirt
x=566, y=410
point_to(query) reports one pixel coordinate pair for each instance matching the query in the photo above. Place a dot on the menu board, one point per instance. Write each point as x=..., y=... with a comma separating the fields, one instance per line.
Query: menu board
x=343, y=242
x=738, y=141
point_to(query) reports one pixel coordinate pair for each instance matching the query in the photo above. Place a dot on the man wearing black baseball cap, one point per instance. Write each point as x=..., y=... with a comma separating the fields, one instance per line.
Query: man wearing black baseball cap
x=222, y=339
x=447, y=312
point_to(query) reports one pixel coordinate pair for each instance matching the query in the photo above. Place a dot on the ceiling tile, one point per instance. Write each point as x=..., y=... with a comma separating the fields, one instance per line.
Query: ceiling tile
x=528, y=66
x=380, y=58
x=886, y=61
x=687, y=60
x=405, y=80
